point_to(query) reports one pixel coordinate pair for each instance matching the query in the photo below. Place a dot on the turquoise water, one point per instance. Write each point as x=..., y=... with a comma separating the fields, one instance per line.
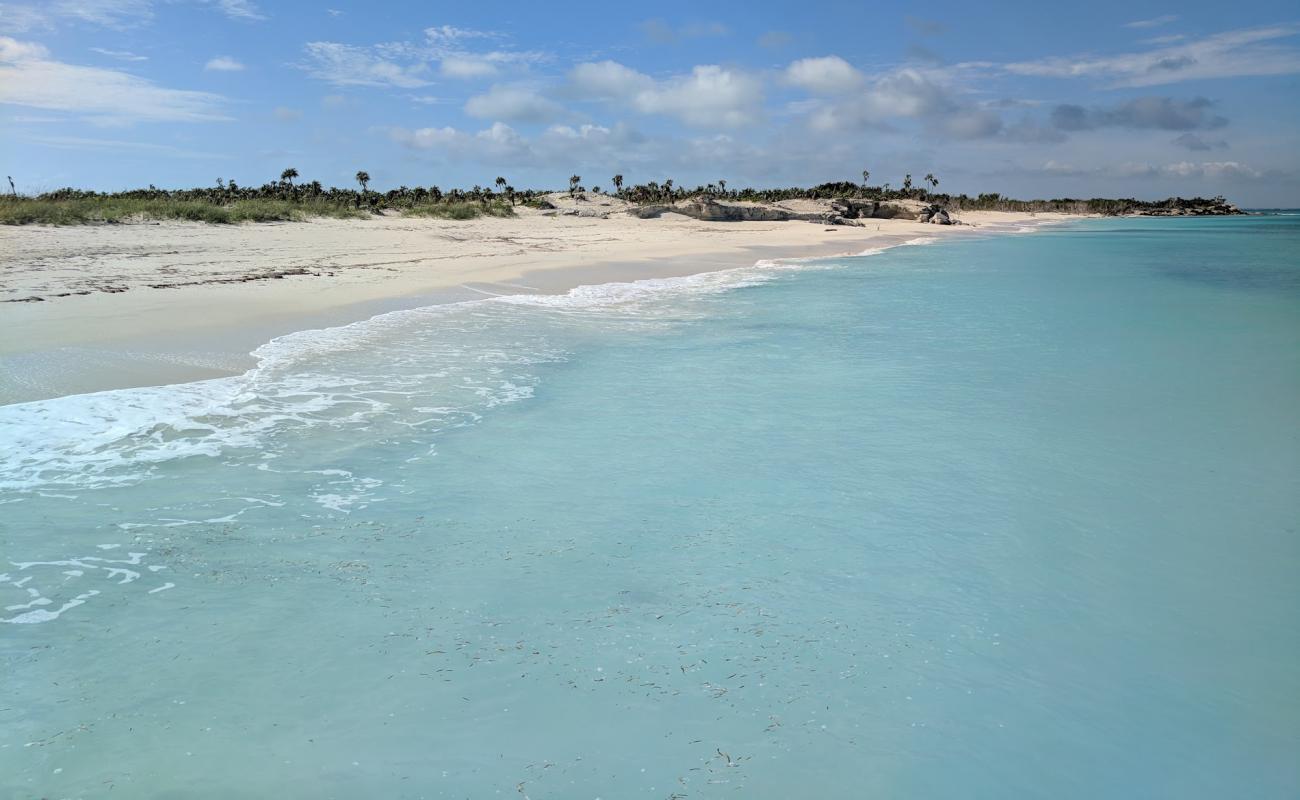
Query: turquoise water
x=1011, y=517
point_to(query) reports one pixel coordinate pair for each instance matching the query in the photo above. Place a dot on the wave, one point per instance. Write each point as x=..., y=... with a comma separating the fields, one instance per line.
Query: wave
x=428, y=368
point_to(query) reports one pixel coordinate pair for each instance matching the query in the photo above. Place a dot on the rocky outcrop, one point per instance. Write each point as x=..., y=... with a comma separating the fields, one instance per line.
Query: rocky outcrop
x=842, y=211
x=934, y=214
x=710, y=210
x=852, y=208
x=1195, y=207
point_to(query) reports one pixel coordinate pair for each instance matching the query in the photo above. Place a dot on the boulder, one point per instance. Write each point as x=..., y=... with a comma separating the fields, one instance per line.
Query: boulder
x=936, y=215
x=852, y=208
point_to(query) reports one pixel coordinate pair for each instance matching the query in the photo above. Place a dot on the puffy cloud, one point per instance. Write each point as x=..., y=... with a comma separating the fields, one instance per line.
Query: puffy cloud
x=466, y=67
x=608, y=80
x=826, y=75
x=223, y=64
x=906, y=94
x=710, y=96
x=12, y=50
x=425, y=138
x=514, y=104
x=28, y=77
x=1162, y=113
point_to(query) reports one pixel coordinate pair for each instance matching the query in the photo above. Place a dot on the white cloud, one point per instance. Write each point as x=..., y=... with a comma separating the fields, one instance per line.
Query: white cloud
x=345, y=65
x=710, y=96
x=426, y=138
x=904, y=94
x=116, y=14
x=406, y=64
x=223, y=64
x=826, y=75
x=514, y=104
x=1253, y=51
x=448, y=34
x=29, y=78
x=238, y=9
x=466, y=67
x=121, y=55
x=608, y=80
x=12, y=50
x=108, y=13
x=1154, y=22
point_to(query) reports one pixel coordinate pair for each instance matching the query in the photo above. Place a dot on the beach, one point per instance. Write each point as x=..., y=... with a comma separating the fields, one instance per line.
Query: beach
x=95, y=307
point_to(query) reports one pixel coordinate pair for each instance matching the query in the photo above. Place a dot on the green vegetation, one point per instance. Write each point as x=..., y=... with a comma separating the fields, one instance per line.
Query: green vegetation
x=454, y=210
x=80, y=211
x=285, y=200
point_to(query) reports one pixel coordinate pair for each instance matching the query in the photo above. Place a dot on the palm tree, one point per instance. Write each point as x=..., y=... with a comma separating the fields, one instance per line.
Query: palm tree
x=722, y=184
x=12, y=190
x=618, y=184
x=574, y=180
x=907, y=182
x=288, y=175
x=866, y=176
x=363, y=178
x=500, y=183
x=930, y=179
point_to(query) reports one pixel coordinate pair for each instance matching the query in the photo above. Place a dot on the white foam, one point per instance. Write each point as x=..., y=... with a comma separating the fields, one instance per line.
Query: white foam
x=118, y=437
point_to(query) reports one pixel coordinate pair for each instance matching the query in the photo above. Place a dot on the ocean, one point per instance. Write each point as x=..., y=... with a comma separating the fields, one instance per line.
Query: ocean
x=1013, y=516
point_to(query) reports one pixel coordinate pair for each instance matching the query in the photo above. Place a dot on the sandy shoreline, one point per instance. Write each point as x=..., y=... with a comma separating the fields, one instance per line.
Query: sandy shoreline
x=148, y=304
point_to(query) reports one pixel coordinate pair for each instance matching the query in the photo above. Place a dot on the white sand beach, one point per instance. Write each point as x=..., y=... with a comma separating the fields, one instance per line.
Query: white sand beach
x=97, y=307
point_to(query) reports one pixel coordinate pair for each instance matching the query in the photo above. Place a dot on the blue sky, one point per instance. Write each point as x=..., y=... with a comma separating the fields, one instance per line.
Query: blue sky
x=1028, y=99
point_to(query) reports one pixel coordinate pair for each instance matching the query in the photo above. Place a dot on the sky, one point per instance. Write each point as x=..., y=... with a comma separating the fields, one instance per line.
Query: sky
x=1032, y=99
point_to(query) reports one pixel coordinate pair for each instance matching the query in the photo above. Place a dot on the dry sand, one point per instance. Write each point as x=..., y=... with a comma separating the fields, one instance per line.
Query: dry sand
x=152, y=303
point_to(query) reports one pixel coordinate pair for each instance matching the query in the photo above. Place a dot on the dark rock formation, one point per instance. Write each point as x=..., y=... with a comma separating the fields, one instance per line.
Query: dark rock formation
x=850, y=208
x=1195, y=207
x=934, y=214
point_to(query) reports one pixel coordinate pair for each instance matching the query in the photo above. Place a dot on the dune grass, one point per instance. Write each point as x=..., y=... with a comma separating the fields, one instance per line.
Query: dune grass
x=460, y=210
x=81, y=211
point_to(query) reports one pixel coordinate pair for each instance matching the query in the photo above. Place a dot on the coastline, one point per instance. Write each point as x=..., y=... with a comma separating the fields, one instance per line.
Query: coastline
x=145, y=305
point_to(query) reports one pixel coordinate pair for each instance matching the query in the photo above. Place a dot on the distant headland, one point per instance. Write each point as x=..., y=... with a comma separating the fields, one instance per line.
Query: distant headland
x=835, y=203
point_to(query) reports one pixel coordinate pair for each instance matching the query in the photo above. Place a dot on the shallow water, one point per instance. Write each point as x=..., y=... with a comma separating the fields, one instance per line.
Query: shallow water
x=1006, y=517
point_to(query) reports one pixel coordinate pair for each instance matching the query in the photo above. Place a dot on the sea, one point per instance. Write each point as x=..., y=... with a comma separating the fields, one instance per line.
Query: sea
x=1011, y=516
